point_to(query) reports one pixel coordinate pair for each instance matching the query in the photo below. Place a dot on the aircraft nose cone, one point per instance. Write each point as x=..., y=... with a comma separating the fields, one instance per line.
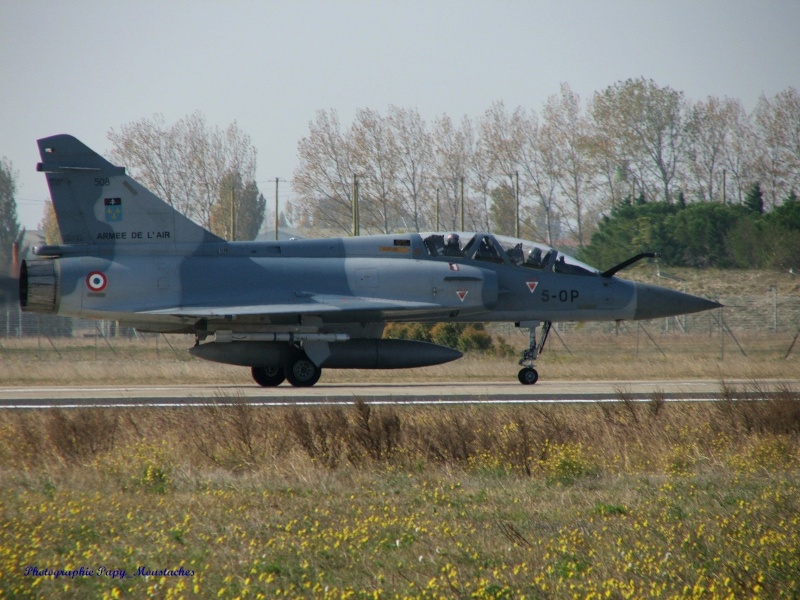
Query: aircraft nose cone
x=653, y=302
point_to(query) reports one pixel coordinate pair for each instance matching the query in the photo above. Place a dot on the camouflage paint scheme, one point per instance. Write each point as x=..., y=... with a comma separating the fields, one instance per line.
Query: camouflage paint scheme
x=287, y=309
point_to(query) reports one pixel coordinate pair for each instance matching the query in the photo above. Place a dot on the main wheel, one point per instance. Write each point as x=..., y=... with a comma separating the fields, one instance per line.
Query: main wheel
x=302, y=372
x=528, y=376
x=268, y=376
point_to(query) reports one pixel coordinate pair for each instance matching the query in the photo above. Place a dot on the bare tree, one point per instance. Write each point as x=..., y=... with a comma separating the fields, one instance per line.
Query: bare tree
x=322, y=181
x=606, y=152
x=646, y=122
x=414, y=146
x=777, y=126
x=454, y=150
x=375, y=157
x=739, y=153
x=790, y=98
x=500, y=137
x=710, y=130
x=150, y=150
x=539, y=172
x=482, y=181
x=500, y=150
x=566, y=130
x=185, y=162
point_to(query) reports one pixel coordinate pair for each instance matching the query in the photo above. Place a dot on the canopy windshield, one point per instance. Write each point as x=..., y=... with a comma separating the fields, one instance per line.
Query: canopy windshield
x=506, y=250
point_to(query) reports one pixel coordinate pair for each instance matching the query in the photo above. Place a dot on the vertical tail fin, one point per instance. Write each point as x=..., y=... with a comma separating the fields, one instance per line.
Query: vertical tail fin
x=97, y=203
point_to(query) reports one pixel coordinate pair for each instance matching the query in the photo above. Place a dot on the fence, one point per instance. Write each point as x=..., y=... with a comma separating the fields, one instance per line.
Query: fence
x=740, y=316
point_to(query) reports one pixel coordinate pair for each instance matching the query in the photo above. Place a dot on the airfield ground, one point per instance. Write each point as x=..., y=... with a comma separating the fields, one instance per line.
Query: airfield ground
x=624, y=501
x=630, y=500
x=571, y=355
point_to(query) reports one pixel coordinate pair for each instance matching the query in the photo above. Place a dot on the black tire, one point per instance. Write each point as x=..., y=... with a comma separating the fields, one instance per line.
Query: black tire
x=302, y=372
x=268, y=376
x=528, y=376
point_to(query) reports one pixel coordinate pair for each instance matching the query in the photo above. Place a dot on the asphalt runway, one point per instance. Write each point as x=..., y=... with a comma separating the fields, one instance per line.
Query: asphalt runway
x=407, y=393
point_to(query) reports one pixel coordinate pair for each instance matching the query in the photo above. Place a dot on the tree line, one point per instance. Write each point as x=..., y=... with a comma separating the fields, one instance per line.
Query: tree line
x=573, y=161
x=574, y=165
x=703, y=234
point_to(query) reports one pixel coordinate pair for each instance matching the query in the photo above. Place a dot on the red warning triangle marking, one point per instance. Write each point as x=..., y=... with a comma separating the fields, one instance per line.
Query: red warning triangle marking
x=462, y=294
x=532, y=285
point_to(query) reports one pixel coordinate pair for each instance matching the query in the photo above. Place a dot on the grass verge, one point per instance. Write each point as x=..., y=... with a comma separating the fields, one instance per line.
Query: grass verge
x=570, y=355
x=623, y=501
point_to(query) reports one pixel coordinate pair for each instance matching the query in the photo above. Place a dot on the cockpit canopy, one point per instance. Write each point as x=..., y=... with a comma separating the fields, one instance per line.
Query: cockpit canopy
x=504, y=250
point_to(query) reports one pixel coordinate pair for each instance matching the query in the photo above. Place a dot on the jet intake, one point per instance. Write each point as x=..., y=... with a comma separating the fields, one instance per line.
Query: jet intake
x=39, y=286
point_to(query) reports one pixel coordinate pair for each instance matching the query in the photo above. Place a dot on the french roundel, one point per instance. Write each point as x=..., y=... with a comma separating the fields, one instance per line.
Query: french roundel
x=96, y=281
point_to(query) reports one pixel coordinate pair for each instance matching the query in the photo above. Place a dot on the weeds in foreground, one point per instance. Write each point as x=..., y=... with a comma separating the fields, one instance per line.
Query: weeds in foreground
x=615, y=500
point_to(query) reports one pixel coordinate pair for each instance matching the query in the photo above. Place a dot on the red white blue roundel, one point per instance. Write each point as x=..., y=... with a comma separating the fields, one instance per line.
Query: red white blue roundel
x=96, y=281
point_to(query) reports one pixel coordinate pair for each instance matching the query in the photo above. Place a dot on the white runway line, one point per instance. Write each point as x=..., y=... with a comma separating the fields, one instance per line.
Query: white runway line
x=348, y=403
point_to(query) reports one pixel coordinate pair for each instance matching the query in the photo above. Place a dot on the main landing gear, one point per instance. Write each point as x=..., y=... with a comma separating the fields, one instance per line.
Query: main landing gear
x=528, y=375
x=268, y=376
x=300, y=371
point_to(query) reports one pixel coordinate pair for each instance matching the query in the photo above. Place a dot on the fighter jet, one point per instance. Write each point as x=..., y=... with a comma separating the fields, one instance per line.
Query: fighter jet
x=290, y=309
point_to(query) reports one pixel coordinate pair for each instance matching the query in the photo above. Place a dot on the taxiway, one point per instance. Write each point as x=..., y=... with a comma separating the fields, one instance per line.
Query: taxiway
x=414, y=393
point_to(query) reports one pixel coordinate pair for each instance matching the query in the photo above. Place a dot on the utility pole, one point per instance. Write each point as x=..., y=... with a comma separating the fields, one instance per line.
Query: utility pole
x=356, y=216
x=724, y=177
x=437, y=209
x=233, y=211
x=461, y=206
x=277, y=179
x=515, y=180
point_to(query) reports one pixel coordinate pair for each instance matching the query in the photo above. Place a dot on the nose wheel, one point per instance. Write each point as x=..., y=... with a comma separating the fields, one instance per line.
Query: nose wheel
x=528, y=375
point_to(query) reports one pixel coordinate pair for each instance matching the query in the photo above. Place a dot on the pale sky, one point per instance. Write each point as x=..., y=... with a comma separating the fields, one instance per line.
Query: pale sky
x=84, y=67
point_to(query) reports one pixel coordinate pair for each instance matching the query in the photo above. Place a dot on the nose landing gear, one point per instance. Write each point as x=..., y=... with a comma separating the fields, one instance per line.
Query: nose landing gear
x=528, y=375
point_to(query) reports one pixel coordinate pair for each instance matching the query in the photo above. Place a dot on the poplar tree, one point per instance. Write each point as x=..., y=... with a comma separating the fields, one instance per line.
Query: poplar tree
x=240, y=209
x=49, y=225
x=9, y=225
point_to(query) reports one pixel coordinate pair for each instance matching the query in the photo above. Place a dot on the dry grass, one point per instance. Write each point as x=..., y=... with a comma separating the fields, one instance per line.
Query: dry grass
x=575, y=355
x=627, y=500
